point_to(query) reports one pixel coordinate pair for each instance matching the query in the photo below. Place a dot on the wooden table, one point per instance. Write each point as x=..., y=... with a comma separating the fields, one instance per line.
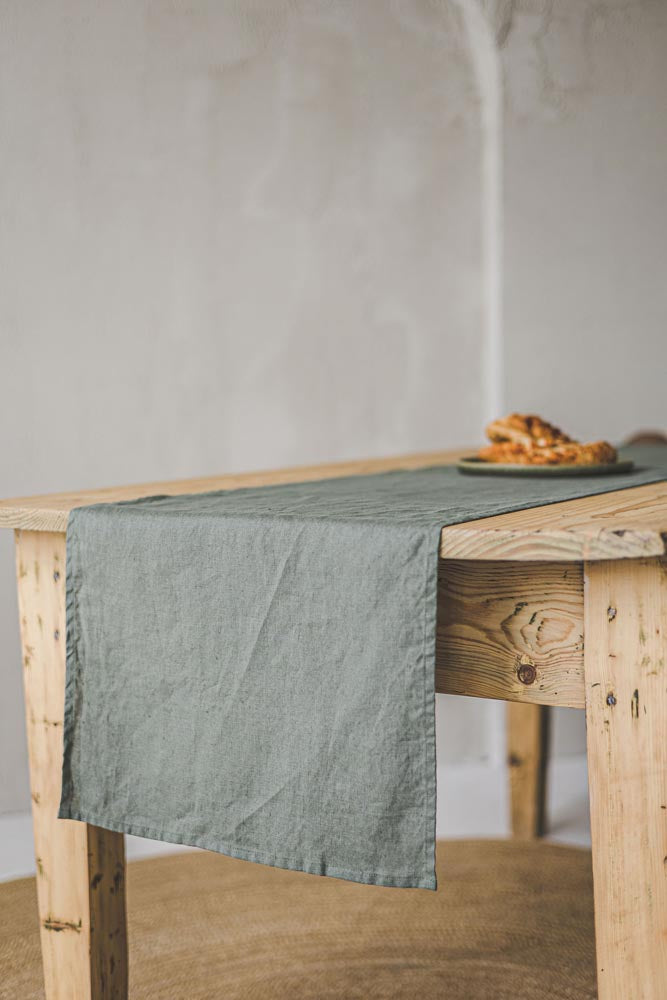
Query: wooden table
x=558, y=605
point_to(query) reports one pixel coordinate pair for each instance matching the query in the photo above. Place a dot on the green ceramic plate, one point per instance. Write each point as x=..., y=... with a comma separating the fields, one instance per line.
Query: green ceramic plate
x=473, y=466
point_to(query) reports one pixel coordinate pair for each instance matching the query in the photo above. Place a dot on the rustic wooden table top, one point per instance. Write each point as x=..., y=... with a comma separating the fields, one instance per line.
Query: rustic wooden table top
x=629, y=523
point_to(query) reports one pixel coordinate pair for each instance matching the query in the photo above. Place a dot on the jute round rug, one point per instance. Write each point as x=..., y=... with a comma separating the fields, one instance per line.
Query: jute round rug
x=510, y=921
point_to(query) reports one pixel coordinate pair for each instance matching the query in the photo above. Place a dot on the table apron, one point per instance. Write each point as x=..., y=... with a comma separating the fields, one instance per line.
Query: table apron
x=512, y=631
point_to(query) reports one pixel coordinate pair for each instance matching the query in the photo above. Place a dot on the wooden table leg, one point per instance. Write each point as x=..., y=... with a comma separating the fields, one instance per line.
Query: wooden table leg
x=527, y=753
x=80, y=868
x=625, y=630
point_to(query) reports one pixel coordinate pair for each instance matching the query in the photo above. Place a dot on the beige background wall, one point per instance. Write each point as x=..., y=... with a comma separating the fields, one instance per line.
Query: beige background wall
x=244, y=234
x=585, y=166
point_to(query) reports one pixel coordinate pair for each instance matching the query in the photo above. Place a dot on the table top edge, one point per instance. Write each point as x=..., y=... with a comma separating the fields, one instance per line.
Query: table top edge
x=628, y=523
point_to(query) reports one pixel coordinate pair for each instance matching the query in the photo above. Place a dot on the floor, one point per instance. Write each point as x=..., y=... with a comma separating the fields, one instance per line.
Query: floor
x=472, y=802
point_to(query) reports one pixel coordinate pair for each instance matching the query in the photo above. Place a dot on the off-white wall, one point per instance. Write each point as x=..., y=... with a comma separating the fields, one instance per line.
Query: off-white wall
x=586, y=213
x=236, y=235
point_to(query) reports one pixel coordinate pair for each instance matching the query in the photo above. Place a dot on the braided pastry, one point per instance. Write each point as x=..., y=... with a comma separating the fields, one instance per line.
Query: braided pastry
x=525, y=429
x=569, y=453
x=523, y=439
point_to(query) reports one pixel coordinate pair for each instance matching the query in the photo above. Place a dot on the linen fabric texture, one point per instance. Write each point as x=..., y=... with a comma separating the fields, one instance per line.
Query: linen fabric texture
x=253, y=671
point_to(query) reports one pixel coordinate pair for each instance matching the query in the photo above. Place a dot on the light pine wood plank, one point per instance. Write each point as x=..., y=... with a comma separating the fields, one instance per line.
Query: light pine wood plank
x=512, y=631
x=626, y=711
x=527, y=758
x=80, y=868
x=625, y=524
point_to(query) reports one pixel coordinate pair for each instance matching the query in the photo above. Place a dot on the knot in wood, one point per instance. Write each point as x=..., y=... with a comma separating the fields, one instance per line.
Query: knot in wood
x=526, y=672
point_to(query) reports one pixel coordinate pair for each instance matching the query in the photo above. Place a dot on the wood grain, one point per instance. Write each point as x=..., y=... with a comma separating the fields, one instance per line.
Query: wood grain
x=527, y=756
x=626, y=711
x=512, y=631
x=80, y=868
x=624, y=524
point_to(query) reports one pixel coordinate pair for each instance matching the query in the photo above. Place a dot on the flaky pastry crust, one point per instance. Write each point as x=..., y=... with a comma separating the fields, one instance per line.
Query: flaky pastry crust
x=567, y=453
x=525, y=429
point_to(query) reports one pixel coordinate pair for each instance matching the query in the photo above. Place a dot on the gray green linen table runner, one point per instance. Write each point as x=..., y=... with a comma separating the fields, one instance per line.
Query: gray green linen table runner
x=252, y=671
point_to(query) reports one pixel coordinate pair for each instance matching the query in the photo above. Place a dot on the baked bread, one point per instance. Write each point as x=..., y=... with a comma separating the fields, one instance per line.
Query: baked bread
x=526, y=439
x=526, y=429
x=568, y=453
